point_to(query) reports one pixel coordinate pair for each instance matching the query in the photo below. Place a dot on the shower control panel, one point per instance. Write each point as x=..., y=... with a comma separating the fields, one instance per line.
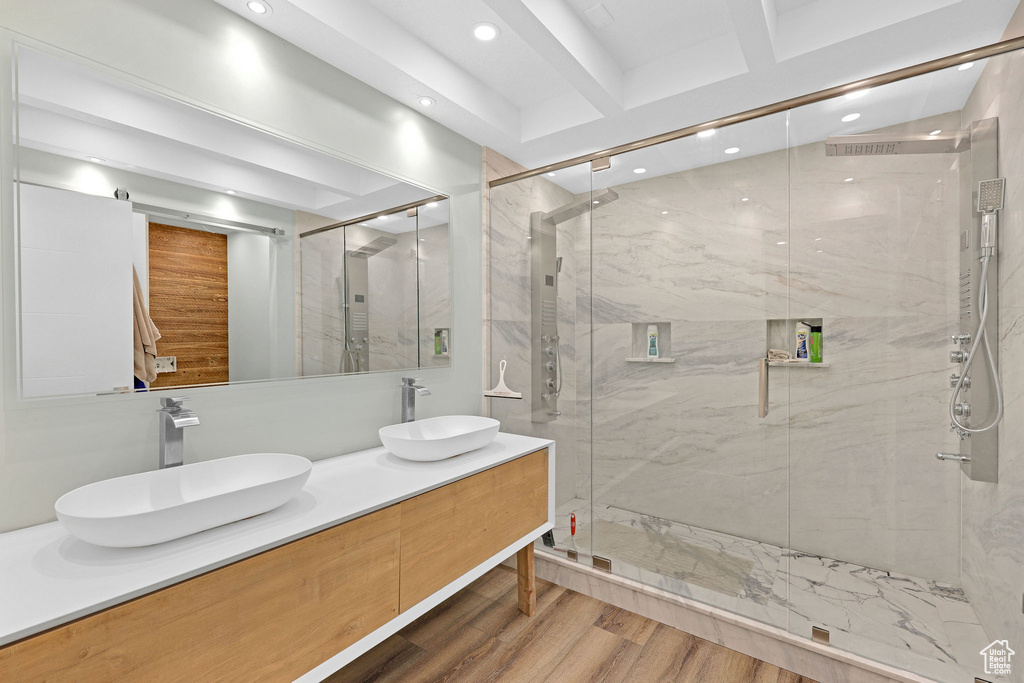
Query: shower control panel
x=546, y=364
x=975, y=403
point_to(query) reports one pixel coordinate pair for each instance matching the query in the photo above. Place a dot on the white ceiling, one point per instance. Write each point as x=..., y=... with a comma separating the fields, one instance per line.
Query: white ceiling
x=570, y=77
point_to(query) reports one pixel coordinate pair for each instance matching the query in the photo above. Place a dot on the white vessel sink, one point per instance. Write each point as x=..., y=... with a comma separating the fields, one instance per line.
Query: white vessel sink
x=153, y=507
x=437, y=438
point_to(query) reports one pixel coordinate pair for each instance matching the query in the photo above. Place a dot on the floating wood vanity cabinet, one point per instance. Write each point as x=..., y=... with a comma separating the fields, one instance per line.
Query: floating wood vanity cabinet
x=283, y=612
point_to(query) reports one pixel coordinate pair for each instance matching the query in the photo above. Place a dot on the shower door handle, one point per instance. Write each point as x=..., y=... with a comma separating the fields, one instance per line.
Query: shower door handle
x=762, y=388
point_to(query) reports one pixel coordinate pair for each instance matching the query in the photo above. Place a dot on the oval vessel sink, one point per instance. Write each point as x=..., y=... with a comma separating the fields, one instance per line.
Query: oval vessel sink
x=437, y=438
x=153, y=507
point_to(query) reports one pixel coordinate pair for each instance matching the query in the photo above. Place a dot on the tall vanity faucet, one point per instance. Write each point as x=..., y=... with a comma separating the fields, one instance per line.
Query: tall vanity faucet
x=173, y=420
x=409, y=391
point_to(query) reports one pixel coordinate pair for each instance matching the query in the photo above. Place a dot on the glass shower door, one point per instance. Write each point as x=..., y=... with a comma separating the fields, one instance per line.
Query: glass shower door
x=689, y=291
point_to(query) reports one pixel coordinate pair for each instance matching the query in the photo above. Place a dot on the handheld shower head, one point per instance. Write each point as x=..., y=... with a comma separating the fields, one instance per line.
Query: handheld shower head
x=558, y=264
x=991, y=194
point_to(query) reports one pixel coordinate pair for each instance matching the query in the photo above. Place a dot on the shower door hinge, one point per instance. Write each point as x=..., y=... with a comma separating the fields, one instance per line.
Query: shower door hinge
x=602, y=164
x=602, y=563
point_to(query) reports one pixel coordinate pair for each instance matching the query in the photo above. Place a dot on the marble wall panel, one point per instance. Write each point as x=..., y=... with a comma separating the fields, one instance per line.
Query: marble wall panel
x=993, y=514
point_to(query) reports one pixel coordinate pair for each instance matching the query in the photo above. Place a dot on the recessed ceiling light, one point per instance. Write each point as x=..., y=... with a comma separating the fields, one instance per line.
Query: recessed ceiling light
x=817, y=239
x=857, y=93
x=744, y=199
x=965, y=67
x=431, y=205
x=935, y=132
x=851, y=117
x=639, y=170
x=485, y=31
x=706, y=133
x=664, y=213
x=423, y=239
x=821, y=251
x=551, y=174
x=732, y=150
x=848, y=180
x=382, y=218
x=229, y=191
x=258, y=7
x=96, y=160
x=780, y=243
x=426, y=101
x=596, y=201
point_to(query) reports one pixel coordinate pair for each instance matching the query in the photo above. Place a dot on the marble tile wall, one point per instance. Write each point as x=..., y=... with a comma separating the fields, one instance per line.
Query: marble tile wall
x=993, y=514
x=510, y=207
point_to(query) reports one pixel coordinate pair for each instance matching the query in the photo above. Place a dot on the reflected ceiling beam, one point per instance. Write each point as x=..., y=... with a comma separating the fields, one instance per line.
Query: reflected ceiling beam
x=567, y=44
x=391, y=48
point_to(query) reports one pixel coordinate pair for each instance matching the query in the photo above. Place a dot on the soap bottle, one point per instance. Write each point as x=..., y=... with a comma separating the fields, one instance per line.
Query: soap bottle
x=652, y=341
x=815, y=344
x=803, y=335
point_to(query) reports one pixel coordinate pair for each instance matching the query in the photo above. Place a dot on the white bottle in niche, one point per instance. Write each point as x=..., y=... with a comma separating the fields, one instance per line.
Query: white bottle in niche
x=803, y=336
x=652, y=341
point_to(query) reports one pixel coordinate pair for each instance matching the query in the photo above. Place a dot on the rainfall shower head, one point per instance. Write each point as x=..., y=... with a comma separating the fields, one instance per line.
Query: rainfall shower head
x=871, y=144
x=990, y=195
x=375, y=247
x=562, y=214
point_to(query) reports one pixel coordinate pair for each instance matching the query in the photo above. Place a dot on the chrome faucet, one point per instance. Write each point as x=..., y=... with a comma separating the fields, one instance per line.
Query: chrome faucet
x=409, y=391
x=173, y=420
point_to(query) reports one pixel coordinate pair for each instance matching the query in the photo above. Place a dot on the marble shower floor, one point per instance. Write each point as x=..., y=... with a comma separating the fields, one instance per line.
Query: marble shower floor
x=919, y=625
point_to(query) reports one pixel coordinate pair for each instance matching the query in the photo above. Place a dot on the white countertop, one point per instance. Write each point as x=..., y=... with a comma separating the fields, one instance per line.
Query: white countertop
x=48, y=577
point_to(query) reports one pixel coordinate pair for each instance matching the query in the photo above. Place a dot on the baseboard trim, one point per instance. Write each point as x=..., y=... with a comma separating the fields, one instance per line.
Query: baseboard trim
x=767, y=643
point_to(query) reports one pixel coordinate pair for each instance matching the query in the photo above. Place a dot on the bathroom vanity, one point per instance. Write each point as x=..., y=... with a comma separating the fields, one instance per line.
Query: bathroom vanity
x=370, y=544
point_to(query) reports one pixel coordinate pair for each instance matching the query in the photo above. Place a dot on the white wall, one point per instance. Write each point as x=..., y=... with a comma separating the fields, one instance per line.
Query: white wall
x=205, y=53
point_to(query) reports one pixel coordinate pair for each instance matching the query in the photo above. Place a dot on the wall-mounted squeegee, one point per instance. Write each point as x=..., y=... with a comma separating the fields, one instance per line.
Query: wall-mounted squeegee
x=872, y=144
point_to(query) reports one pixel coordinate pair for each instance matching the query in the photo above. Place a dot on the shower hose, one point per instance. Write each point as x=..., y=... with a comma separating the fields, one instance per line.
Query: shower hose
x=980, y=337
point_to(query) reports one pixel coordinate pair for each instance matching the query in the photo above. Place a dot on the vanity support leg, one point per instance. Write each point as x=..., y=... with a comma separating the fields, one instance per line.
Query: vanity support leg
x=527, y=581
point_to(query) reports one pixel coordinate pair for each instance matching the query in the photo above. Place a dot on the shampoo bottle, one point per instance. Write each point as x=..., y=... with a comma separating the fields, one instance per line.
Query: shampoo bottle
x=815, y=344
x=803, y=335
x=652, y=341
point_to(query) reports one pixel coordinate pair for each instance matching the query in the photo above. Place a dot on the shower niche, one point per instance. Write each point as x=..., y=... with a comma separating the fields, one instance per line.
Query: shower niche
x=780, y=335
x=641, y=343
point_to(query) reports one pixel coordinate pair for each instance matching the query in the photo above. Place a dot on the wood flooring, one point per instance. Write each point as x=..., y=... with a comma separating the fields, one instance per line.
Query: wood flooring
x=480, y=635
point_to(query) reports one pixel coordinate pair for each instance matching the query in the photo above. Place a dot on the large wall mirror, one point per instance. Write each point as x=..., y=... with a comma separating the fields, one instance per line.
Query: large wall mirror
x=160, y=245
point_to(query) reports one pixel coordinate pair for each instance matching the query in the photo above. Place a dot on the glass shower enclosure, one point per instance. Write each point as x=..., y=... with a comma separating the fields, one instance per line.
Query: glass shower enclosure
x=697, y=451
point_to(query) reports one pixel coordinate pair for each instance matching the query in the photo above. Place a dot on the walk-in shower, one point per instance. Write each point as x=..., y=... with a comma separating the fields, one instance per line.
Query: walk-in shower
x=830, y=513
x=356, y=304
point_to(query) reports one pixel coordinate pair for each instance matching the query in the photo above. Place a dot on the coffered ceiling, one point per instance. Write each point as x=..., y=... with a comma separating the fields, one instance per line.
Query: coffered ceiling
x=568, y=77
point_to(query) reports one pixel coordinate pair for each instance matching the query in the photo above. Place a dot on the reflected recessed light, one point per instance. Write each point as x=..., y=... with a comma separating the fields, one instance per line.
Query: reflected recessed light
x=847, y=180
x=96, y=160
x=258, y=6
x=551, y=174
x=485, y=31
x=817, y=239
x=664, y=213
x=639, y=170
x=426, y=101
x=229, y=191
x=364, y=225
x=935, y=132
x=851, y=117
x=965, y=67
x=382, y=218
x=857, y=93
x=744, y=199
x=780, y=243
x=706, y=133
x=423, y=239
x=431, y=205
x=596, y=201
x=732, y=150
x=820, y=251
